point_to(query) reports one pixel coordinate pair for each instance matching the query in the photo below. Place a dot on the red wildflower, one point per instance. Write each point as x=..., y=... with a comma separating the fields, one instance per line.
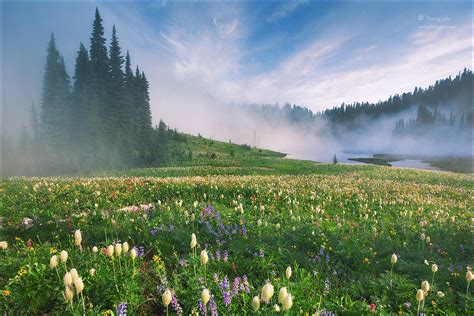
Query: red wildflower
x=372, y=308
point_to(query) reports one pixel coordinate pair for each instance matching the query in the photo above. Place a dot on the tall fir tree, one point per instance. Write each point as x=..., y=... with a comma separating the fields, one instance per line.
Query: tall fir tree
x=144, y=130
x=129, y=100
x=98, y=50
x=99, y=63
x=85, y=107
x=55, y=100
x=119, y=113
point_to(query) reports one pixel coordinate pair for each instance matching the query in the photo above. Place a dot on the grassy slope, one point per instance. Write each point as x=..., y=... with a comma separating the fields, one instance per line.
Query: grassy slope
x=244, y=161
x=252, y=161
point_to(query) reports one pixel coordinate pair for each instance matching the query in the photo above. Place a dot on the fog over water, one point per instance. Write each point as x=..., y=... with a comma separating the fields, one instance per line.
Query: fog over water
x=201, y=70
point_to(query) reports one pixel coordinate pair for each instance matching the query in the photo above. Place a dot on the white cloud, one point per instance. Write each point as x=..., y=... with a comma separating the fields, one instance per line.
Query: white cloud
x=226, y=29
x=284, y=10
x=207, y=62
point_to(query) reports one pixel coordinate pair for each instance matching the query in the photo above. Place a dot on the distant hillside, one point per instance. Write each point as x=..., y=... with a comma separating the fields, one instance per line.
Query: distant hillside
x=446, y=94
x=199, y=150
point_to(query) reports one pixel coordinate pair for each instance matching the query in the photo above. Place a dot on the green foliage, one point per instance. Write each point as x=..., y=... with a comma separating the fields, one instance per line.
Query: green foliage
x=55, y=100
x=337, y=232
x=104, y=122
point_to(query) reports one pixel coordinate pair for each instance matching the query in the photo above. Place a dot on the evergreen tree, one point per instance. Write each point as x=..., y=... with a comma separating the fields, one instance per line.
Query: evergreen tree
x=119, y=116
x=85, y=108
x=98, y=50
x=55, y=100
x=99, y=63
x=129, y=98
x=144, y=114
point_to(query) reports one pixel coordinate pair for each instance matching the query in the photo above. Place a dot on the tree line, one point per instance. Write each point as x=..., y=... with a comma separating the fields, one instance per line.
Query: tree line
x=99, y=119
x=427, y=121
x=454, y=92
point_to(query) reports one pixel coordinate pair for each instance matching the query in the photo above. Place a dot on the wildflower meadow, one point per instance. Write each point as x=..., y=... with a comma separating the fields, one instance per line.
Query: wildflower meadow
x=371, y=241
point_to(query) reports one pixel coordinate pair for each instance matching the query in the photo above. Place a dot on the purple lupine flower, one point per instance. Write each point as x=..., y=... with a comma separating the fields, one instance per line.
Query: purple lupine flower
x=211, y=256
x=140, y=251
x=321, y=251
x=326, y=313
x=121, y=309
x=216, y=277
x=235, y=286
x=218, y=216
x=213, y=306
x=451, y=268
x=245, y=284
x=407, y=305
x=202, y=308
x=244, y=230
x=327, y=258
x=175, y=305
x=154, y=231
x=226, y=296
x=226, y=256
x=218, y=255
x=224, y=285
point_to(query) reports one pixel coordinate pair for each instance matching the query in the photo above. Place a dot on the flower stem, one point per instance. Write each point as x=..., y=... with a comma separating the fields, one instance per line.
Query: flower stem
x=83, y=304
x=391, y=272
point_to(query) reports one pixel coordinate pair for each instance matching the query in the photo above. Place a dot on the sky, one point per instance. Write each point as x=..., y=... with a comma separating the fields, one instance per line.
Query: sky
x=314, y=54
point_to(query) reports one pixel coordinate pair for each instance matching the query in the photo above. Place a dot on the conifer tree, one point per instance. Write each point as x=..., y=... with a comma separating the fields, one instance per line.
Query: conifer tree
x=144, y=114
x=99, y=63
x=55, y=100
x=85, y=108
x=98, y=50
x=119, y=110
x=129, y=100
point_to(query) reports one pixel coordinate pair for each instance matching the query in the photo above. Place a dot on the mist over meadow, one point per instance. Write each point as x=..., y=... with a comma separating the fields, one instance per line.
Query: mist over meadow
x=219, y=80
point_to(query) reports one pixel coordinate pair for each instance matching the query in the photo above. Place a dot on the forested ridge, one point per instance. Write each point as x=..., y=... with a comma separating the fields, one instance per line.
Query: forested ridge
x=99, y=118
x=450, y=93
x=449, y=99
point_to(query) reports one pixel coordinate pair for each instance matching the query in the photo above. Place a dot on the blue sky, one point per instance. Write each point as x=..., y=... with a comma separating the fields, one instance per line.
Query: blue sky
x=316, y=54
